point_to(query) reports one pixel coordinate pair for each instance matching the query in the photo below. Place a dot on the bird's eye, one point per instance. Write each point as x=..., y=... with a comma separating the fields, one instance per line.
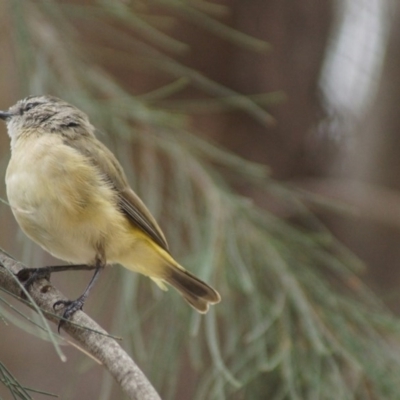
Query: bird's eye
x=29, y=106
x=72, y=124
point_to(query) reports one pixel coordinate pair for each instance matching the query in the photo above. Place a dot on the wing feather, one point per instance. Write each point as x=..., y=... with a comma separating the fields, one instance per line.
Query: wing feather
x=130, y=203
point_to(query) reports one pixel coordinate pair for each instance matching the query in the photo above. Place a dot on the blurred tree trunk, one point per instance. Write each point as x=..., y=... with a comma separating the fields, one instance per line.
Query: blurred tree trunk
x=294, y=68
x=375, y=159
x=298, y=33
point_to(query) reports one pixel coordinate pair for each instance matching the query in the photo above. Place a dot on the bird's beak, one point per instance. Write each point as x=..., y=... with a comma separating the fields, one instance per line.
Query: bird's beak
x=5, y=115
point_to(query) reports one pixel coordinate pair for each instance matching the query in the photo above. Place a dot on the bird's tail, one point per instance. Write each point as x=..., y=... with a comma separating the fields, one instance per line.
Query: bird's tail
x=153, y=261
x=196, y=292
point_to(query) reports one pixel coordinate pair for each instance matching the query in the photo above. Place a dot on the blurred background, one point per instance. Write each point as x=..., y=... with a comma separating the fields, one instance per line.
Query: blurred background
x=184, y=92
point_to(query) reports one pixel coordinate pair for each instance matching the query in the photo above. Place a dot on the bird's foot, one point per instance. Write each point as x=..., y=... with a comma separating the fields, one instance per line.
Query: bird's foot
x=70, y=308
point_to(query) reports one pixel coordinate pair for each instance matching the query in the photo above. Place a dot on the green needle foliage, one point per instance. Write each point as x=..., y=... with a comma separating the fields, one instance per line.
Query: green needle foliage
x=295, y=321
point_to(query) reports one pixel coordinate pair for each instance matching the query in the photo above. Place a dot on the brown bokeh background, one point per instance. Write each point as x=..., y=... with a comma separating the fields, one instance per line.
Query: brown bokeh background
x=352, y=156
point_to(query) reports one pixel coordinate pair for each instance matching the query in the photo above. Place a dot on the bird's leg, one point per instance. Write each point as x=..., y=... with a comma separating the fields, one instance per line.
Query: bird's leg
x=71, y=306
x=30, y=275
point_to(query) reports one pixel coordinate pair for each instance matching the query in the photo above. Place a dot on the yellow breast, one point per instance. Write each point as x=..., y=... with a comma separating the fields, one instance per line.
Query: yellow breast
x=60, y=199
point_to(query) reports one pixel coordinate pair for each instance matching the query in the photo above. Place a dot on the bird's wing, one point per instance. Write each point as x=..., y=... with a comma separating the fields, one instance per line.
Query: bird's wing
x=128, y=200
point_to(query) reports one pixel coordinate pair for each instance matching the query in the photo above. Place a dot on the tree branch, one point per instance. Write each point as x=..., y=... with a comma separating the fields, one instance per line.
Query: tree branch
x=128, y=375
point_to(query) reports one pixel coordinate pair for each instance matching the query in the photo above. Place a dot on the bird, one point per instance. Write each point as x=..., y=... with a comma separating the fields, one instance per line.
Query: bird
x=71, y=196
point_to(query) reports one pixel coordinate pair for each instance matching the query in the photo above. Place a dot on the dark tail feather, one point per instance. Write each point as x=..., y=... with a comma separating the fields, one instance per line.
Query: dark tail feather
x=196, y=292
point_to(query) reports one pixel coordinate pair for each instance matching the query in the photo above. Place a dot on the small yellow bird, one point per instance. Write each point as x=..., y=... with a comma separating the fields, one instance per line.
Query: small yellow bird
x=71, y=196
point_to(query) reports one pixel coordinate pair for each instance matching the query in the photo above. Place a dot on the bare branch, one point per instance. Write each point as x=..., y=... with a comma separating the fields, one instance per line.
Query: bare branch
x=129, y=376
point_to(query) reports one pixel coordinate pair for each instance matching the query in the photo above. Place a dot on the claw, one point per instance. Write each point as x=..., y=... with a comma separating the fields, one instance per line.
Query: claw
x=71, y=307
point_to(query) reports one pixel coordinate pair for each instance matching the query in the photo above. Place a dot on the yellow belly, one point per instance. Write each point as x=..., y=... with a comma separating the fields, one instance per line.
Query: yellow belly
x=62, y=202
